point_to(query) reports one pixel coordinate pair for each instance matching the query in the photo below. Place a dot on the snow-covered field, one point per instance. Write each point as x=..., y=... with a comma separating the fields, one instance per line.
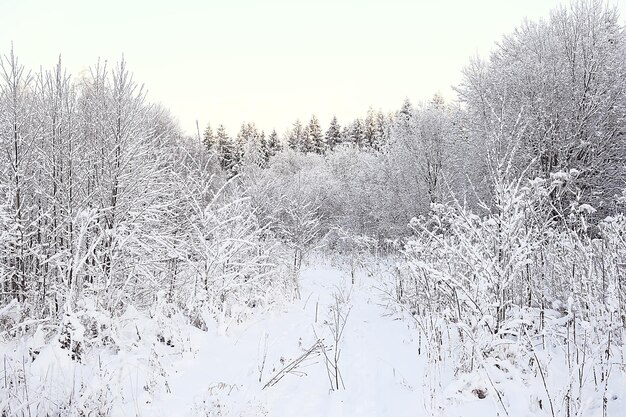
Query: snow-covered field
x=226, y=373
x=274, y=364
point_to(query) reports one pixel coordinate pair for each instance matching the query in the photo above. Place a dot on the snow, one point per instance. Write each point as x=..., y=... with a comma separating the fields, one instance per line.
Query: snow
x=169, y=368
x=379, y=364
x=383, y=373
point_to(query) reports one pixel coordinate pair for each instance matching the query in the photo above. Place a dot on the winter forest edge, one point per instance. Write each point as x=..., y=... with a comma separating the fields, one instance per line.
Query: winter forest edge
x=492, y=227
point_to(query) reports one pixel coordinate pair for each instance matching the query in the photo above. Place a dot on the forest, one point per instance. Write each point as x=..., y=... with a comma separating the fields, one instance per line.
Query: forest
x=492, y=228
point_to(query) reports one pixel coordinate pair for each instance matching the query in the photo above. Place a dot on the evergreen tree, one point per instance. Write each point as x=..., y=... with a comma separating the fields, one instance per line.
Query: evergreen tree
x=406, y=112
x=273, y=144
x=333, y=134
x=370, y=130
x=405, y=124
x=306, y=145
x=240, y=141
x=357, y=133
x=265, y=151
x=318, y=142
x=248, y=132
x=295, y=136
x=382, y=131
x=225, y=149
x=208, y=138
x=253, y=154
x=345, y=134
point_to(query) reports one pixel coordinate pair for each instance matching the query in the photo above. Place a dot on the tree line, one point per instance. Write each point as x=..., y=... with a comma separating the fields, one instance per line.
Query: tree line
x=371, y=132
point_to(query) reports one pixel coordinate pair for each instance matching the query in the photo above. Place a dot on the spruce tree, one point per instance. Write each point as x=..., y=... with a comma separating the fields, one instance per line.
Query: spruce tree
x=307, y=141
x=224, y=148
x=273, y=144
x=208, y=138
x=357, y=133
x=241, y=140
x=382, y=131
x=405, y=123
x=253, y=152
x=406, y=116
x=370, y=129
x=295, y=136
x=317, y=140
x=345, y=134
x=333, y=134
x=264, y=148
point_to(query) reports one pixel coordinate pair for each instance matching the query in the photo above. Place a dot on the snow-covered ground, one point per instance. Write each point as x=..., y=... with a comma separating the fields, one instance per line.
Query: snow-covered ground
x=169, y=368
x=379, y=365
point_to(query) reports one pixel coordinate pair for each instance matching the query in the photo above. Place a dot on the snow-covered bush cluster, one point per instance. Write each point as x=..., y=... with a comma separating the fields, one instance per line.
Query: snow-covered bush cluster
x=118, y=236
x=518, y=285
x=524, y=290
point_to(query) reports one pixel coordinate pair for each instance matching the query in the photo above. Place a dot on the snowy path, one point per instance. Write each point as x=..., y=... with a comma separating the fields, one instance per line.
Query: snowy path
x=379, y=363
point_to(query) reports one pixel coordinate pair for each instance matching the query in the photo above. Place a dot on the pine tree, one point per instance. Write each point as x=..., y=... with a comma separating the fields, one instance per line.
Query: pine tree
x=317, y=140
x=306, y=145
x=406, y=113
x=265, y=151
x=253, y=152
x=247, y=133
x=208, y=138
x=370, y=130
x=224, y=148
x=273, y=144
x=241, y=140
x=295, y=136
x=333, y=134
x=405, y=124
x=357, y=133
x=382, y=131
x=345, y=134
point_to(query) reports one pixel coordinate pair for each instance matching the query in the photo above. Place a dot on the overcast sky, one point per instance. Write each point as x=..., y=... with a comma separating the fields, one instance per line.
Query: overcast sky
x=270, y=61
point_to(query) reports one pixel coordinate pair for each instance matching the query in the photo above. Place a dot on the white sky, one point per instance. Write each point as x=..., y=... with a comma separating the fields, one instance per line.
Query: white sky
x=269, y=61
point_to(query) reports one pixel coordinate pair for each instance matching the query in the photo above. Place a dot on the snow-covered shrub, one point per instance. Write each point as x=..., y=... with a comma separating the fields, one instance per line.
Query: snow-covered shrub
x=520, y=287
x=475, y=266
x=228, y=262
x=92, y=362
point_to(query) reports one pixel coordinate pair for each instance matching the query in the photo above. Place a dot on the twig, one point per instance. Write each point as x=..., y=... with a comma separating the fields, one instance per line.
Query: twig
x=545, y=385
x=293, y=364
x=262, y=367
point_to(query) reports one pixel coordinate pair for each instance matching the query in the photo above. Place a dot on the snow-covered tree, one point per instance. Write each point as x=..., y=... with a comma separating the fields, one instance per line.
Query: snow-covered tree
x=17, y=139
x=333, y=134
x=273, y=144
x=208, y=138
x=370, y=130
x=225, y=149
x=561, y=81
x=435, y=138
x=317, y=139
x=295, y=136
x=382, y=131
x=357, y=133
x=306, y=145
